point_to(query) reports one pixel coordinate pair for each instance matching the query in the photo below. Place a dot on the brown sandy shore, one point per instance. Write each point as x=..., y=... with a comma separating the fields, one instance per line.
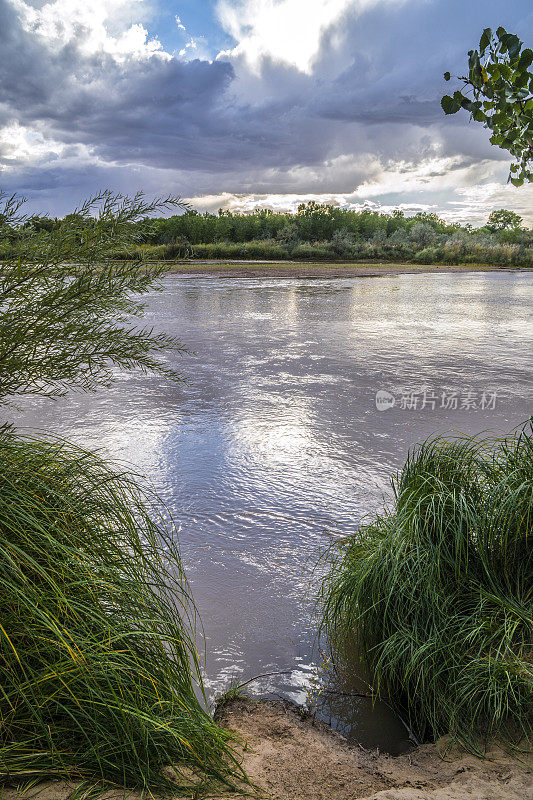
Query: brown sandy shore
x=295, y=269
x=289, y=756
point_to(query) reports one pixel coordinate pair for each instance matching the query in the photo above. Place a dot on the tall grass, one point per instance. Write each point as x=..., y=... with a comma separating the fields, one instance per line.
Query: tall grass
x=448, y=252
x=97, y=659
x=437, y=593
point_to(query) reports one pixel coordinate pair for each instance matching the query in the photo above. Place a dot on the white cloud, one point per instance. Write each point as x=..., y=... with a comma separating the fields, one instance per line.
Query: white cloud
x=95, y=26
x=456, y=193
x=191, y=45
x=435, y=174
x=21, y=145
x=288, y=31
x=243, y=203
x=476, y=202
x=461, y=205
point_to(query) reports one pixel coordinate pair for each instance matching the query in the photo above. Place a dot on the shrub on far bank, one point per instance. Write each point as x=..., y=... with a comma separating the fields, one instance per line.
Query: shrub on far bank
x=459, y=249
x=315, y=251
x=472, y=252
x=257, y=249
x=436, y=594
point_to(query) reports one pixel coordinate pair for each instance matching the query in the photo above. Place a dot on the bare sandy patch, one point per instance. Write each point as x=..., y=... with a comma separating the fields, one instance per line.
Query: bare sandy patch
x=293, y=269
x=290, y=756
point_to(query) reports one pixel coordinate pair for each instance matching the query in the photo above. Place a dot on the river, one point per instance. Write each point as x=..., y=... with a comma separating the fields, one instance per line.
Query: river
x=275, y=447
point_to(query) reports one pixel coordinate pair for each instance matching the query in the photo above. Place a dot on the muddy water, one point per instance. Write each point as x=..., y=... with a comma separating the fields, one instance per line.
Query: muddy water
x=275, y=446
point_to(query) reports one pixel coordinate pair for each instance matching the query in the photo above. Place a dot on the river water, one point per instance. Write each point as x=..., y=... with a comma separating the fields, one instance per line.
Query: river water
x=274, y=447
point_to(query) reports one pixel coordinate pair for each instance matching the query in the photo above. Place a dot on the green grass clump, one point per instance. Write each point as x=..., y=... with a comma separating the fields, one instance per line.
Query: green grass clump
x=437, y=593
x=97, y=660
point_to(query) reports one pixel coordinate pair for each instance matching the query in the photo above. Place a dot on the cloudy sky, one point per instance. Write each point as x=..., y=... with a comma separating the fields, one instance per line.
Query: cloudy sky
x=246, y=103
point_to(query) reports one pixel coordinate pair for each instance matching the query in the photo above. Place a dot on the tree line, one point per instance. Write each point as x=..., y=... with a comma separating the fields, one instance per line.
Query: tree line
x=317, y=232
x=312, y=222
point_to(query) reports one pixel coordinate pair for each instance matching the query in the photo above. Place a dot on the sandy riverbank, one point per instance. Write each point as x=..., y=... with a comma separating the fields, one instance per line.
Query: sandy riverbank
x=292, y=757
x=294, y=269
x=289, y=756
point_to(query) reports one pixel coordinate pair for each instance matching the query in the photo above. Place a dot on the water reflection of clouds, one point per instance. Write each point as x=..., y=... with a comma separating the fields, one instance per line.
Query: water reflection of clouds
x=275, y=446
x=274, y=429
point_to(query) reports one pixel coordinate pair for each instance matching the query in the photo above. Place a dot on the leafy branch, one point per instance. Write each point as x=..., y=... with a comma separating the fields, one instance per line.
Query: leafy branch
x=498, y=92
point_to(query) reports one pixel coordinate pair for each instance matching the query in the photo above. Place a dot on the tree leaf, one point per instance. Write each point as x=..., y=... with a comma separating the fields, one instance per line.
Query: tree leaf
x=486, y=36
x=526, y=59
x=499, y=91
x=449, y=105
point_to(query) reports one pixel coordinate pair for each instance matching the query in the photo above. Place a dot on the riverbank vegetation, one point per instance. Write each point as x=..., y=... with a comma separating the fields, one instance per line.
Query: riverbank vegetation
x=99, y=674
x=97, y=660
x=437, y=593
x=317, y=232
x=328, y=233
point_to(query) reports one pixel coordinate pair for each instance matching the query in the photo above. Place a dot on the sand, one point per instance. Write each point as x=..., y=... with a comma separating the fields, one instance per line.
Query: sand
x=293, y=269
x=290, y=756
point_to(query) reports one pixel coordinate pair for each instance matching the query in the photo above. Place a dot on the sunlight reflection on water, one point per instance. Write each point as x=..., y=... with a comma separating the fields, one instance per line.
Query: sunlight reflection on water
x=275, y=447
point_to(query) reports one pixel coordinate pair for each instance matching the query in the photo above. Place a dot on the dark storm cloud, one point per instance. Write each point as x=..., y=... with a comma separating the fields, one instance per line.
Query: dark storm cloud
x=395, y=56
x=151, y=111
x=374, y=88
x=156, y=112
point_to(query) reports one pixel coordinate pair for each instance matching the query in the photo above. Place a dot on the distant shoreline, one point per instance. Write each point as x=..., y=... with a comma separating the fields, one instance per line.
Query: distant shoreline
x=299, y=269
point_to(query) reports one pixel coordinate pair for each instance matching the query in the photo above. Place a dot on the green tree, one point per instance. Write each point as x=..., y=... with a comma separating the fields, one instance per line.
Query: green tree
x=316, y=221
x=498, y=92
x=66, y=307
x=504, y=220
